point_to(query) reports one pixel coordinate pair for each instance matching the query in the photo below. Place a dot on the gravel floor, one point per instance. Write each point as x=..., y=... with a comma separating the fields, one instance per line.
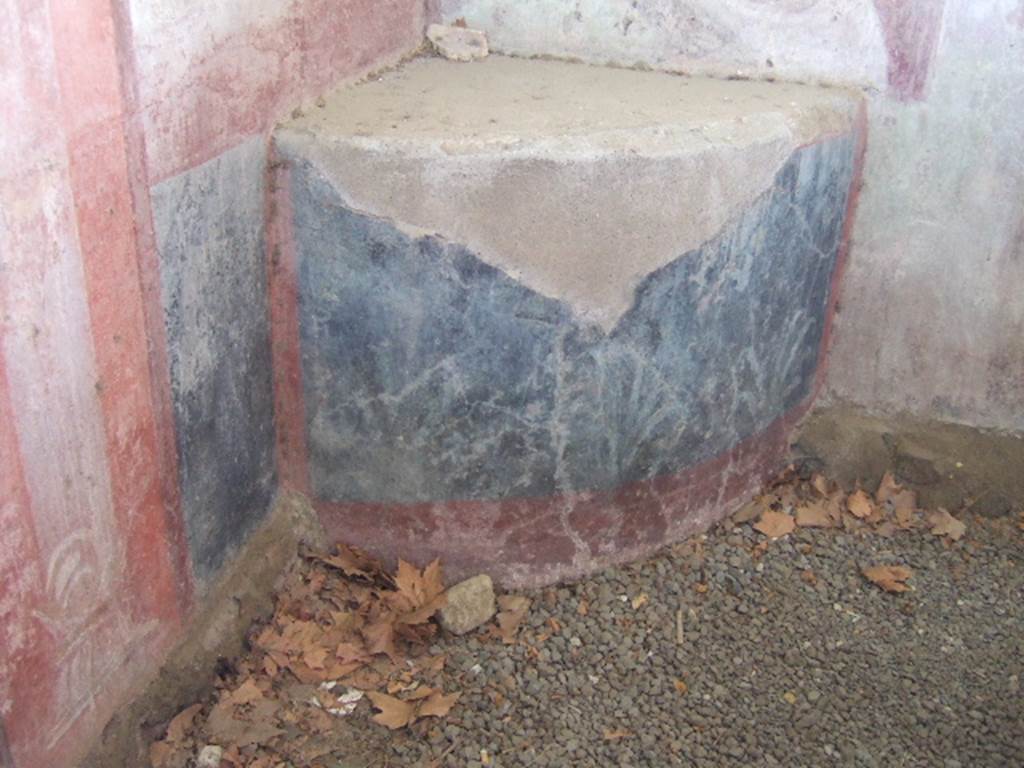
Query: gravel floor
x=787, y=657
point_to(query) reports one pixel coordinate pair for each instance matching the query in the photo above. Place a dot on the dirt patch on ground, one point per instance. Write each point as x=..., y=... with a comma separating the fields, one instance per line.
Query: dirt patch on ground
x=948, y=465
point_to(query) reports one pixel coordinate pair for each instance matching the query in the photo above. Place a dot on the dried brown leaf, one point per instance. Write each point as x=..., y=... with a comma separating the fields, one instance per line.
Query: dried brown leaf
x=749, y=511
x=315, y=656
x=432, y=663
x=270, y=666
x=891, y=578
x=615, y=734
x=887, y=488
x=775, y=524
x=437, y=704
x=813, y=514
x=680, y=686
x=380, y=637
x=352, y=562
x=247, y=693
x=512, y=611
x=419, y=595
x=161, y=754
x=820, y=483
x=394, y=713
x=181, y=723
x=860, y=505
x=905, y=501
x=944, y=524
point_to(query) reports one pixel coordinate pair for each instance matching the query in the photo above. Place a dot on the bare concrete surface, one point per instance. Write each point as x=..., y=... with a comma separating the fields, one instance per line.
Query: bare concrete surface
x=242, y=594
x=949, y=465
x=576, y=180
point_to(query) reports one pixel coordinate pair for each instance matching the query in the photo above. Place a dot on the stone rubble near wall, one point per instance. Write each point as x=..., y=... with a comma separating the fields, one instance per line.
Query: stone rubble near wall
x=458, y=43
x=470, y=604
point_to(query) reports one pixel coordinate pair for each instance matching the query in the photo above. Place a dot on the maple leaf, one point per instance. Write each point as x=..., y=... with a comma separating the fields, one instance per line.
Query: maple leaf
x=813, y=515
x=775, y=524
x=352, y=562
x=944, y=524
x=394, y=713
x=640, y=601
x=891, y=578
x=860, y=505
x=513, y=610
x=418, y=596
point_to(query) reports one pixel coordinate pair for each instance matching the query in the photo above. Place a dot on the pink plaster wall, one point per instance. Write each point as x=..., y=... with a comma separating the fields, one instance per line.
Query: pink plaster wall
x=93, y=588
x=94, y=580
x=209, y=78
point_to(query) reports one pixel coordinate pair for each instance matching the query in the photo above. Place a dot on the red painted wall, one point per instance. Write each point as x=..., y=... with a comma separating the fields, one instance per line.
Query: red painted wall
x=94, y=585
x=94, y=580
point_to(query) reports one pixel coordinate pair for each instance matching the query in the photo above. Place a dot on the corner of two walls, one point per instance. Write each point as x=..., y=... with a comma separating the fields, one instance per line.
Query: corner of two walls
x=136, y=405
x=207, y=122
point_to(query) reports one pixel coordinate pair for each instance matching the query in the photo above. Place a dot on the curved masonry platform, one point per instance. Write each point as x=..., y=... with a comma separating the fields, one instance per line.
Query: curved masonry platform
x=460, y=401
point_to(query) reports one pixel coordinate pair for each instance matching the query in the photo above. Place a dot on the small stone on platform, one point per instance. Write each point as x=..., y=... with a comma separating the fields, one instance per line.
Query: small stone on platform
x=458, y=43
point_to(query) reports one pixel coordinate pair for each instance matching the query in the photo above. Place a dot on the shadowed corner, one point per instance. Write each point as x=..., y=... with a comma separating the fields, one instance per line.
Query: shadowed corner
x=6, y=758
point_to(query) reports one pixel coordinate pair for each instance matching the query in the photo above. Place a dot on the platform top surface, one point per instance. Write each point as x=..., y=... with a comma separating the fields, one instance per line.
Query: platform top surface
x=501, y=98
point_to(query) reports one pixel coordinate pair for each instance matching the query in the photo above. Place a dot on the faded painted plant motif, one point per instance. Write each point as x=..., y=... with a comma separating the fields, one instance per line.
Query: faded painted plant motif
x=89, y=630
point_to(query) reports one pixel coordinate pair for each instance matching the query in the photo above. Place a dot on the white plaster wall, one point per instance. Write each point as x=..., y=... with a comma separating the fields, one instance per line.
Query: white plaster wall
x=932, y=320
x=832, y=40
x=932, y=316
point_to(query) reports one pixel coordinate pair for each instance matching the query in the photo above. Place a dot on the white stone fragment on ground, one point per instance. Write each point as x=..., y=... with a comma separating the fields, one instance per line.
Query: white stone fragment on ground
x=345, y=703
x=470, y=604
x=210, y=756
x=458, y=43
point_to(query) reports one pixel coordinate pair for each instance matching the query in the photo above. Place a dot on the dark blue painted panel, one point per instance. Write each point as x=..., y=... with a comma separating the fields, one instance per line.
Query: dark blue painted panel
x=430, y=375
x=209, y=224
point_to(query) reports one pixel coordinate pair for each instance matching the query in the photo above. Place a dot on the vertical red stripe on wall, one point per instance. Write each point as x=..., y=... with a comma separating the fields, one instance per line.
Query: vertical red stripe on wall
x=860, y=138
x=289, y=404
x=26, y=652
x=87, y=46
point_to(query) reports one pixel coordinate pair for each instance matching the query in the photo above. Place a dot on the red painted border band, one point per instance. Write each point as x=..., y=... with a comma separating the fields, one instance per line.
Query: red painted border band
x=286, y=347
x=860, y=133
x=534, y=541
